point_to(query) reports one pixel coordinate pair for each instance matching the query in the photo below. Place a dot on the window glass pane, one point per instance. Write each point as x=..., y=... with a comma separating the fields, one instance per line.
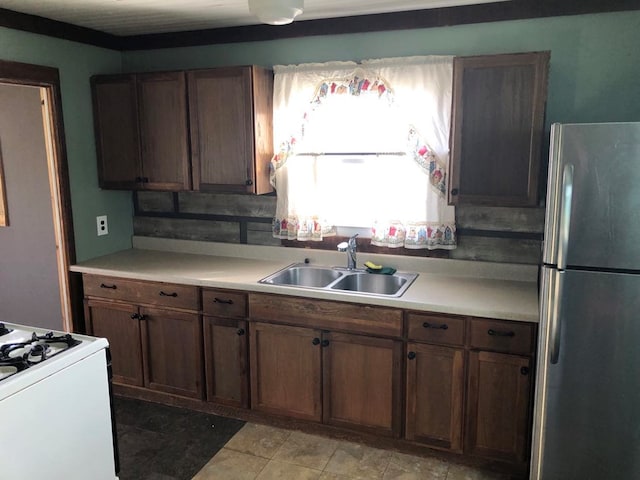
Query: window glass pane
x=346, y=123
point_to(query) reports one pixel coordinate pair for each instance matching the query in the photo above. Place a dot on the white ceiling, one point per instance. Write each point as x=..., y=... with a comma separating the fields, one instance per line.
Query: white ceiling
x=135, y=17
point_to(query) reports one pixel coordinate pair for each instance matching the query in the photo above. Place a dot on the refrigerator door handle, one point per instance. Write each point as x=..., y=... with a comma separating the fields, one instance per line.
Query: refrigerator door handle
x=554, y=323
x=565, y=215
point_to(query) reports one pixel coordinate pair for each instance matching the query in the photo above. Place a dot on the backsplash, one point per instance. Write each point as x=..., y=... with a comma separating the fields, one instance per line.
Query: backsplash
x=495, y=234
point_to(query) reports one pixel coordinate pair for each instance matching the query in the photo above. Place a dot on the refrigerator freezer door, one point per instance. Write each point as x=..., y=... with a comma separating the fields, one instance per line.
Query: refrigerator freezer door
x=604, y=228
x=587, y=424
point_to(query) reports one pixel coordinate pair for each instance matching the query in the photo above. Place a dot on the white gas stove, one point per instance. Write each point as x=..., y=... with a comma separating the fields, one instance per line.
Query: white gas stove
x=55, y=399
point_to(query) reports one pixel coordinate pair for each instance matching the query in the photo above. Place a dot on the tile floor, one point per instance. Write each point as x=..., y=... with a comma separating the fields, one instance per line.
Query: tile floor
x=259, y=452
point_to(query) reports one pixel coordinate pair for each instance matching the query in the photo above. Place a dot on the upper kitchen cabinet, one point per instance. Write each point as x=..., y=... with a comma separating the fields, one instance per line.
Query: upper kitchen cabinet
x=115, y=114
x=496, y=128
x=231, y=129
x=141, y=131
x=162, y=106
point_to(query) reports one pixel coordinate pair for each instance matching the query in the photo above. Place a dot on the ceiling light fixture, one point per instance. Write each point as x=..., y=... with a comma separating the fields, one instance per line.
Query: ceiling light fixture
x=276, y=12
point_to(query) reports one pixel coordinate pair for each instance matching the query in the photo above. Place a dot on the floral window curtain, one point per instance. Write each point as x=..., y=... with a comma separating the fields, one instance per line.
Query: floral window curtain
x=417, y=92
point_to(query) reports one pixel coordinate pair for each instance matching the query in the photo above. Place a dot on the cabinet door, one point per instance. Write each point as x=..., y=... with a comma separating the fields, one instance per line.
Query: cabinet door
x=221, y=114
x=162, y=104
x=362, y=382
x=498, y=405
x=285, y=370
x=115, y=117
x=119, y=324
x=172, y=352
x=435, y=386
x=225, y=351
x=497, y=127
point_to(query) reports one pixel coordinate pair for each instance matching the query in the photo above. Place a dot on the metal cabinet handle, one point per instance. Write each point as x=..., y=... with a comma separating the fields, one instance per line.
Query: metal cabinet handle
x=524, y=370
x=165, y=294
x=240, y=332
x=248, y=182
x=501, y=333
x=135, y=316
x=112, y=287
x=219, y=300
x=454, y=191
x=316, y=341
x=325, y=343
x=411, y=355
x=442, y=326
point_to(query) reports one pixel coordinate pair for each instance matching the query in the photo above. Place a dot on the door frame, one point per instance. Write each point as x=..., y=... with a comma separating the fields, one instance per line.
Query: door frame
x=48, y=79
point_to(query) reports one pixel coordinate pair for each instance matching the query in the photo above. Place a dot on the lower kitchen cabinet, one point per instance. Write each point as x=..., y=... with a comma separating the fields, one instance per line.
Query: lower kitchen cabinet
x=154, y=332
x=435, y=395
x=362, y=382
x=285, y=370
x=225, y=351
x=226, y=346
x=345, y=380
x=118, y=323
x=498, y=405
x=172, y=351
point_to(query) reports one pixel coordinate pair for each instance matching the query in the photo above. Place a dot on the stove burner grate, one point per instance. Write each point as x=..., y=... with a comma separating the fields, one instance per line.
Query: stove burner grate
x=4, y=330
x=36, y=350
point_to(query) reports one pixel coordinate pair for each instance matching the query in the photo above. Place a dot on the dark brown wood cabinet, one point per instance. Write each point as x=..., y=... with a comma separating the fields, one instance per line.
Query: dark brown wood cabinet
x=208, y=130
x=499, y=388
x=362, y=382
x=435, y=395
x=225, y=347
x=318, y=360
x=497, y=128
x=154, y=332
x=231, y=129
x=435, y=380
x=164, y=141
x=141, y=131
x=119, y=323
x=286, y=370
x=115, y=114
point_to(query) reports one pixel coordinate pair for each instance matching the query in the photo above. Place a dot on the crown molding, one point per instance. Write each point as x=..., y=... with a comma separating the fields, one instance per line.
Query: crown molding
x=429, y=18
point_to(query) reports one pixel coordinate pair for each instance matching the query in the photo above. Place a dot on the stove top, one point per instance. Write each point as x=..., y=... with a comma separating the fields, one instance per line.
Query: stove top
x=23, y=347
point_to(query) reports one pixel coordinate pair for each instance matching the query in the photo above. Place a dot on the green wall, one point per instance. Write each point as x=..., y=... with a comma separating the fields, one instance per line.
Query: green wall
x=595, y=59
x=595, y=64
x=76, y=63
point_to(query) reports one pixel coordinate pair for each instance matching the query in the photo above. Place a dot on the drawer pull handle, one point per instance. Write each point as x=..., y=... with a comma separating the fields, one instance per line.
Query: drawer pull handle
x=501, y=333
x=325, y=343
x=112, y=287
x=411, y=355
x=135, y=316
x=165, y=294
x=316, y=341
x=219, y=300
x=524, y=370
x=443, y=326
x=240, y=332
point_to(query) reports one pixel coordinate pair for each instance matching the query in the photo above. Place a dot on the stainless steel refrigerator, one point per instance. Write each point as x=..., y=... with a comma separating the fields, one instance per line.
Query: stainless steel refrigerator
x=587, y=405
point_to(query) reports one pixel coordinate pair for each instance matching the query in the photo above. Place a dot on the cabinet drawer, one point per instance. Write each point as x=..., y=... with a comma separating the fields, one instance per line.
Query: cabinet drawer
x=223, y=303
x=435, y=328
x=323, y=314
x=150, y=293
x=509, y=337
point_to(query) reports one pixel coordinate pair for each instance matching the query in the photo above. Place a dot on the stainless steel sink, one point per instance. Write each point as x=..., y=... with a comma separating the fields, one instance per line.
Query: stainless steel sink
x=303, y=275
x=338, y=279
x=376, y=284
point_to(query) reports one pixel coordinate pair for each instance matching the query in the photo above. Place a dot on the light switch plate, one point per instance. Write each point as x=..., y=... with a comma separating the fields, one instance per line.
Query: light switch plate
x=103, y=227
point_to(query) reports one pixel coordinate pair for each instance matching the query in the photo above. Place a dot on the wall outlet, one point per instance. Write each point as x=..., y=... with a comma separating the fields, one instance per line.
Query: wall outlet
x=103, y=227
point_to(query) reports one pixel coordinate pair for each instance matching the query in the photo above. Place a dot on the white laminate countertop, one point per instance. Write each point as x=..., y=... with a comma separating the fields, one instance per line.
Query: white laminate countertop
x=481, y=289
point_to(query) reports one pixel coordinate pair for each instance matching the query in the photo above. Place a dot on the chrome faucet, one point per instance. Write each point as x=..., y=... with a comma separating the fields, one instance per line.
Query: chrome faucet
x=349, y=247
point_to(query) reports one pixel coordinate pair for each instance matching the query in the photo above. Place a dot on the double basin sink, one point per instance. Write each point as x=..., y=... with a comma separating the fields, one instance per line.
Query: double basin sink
x=341, y=279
